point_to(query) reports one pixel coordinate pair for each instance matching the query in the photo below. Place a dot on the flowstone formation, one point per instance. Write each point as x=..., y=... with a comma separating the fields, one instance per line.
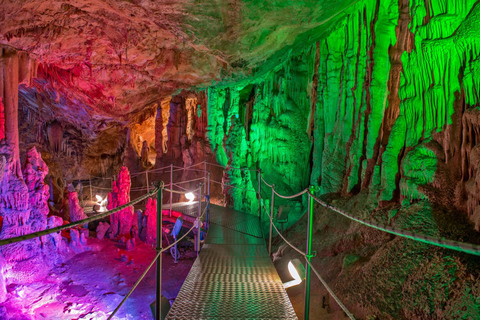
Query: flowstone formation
x=24, y=210
x=149, y=230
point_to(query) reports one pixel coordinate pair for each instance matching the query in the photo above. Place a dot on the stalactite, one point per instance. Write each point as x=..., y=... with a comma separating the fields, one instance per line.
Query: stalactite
x=55, y=137
x=2, y=116
x=9, y=68
x=159, y=133
x=190, y=105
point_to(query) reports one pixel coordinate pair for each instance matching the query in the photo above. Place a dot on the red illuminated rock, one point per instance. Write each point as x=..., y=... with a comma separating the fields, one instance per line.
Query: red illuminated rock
x=122, y=221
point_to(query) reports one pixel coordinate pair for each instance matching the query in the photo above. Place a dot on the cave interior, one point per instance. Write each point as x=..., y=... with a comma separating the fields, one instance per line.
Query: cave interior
x=372, y=105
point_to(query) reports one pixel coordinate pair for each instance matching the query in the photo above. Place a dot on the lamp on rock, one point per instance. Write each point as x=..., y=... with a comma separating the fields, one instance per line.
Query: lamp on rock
x=189, y=196
x=297, y=271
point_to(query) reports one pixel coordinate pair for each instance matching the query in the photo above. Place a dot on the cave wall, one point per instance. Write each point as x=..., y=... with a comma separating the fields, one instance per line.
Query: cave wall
x=387, y=102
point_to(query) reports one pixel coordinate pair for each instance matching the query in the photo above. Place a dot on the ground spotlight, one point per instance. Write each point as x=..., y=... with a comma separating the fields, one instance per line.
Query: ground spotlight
x=189, y=196
x=297, y=271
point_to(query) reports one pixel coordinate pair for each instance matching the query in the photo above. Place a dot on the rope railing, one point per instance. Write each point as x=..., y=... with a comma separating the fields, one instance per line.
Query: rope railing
x=339, y=302
x=292, y=196
x=436, y=241
x=77, y=223
x=180, y=192
x=232, y=186
x=180, y=187
x=188, y=181
x=304, y=254
x=440, y=242
x=151, y=193
x=153, y=261
x=281, y=235
x=234, y=168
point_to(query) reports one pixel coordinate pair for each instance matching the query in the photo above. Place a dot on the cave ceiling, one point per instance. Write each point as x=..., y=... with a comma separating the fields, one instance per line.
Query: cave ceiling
x=101, y=61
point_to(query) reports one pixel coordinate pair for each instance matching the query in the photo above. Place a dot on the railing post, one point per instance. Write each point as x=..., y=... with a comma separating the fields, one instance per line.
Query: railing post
x=260, y=197
x=146, y=175
x=205, y=177
x=208, y=184
x=171, y=188
x=309, y=252
x=271, y=222
x=90, y=182
x=158, y=291
x=81, y=192
x=198, y=218
x=207, y=219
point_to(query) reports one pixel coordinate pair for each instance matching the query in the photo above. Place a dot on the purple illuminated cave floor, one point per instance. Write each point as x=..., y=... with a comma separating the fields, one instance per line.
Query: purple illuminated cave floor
x=92, y=284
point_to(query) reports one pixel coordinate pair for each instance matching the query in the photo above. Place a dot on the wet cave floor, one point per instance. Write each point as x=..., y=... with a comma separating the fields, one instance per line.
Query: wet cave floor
x=91, y=285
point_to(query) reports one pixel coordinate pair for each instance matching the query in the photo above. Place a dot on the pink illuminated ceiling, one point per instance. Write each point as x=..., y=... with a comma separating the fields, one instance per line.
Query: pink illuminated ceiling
x=104, y=59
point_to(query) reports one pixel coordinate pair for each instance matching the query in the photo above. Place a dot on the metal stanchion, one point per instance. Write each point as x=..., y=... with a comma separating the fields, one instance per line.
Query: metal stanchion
x=171, y=188
x=260, y=197
x=204, y=177
x=146, y=175
x=208, y=184
x=90, y=182
x=271, y=222
x=198, y=218
x=158, y=291
x=309, y=252
x=207, y=219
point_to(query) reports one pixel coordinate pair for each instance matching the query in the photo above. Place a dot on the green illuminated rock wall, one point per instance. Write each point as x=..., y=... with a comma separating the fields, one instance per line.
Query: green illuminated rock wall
x=263, y=124
x=383, y=113
x=391, y=88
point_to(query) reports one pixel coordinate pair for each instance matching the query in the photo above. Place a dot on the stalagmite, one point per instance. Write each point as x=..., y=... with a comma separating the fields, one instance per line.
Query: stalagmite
x=76, y=211
x=122, y=221
x=151, y=226
x=159, y=133
x=55, y=136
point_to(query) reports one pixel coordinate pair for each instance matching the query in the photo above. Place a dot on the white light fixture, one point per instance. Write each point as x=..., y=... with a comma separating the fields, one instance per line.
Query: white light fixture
x=297, y=271
x=102, y=203
x=189, y=196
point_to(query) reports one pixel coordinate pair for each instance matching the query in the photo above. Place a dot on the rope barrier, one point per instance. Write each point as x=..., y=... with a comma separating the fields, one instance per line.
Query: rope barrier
x=176, y=185
x=281, y=236
x=188, y=181
x=197, y=170
x=101, y=188
x=330, y=291
x=155, y=259
x=154, y=170
x=232, y=186
x=440, y=242
x=292, y=196
x=313, y=268
x=182, y=192
x=135, y=286
x=76, y=223
x=101, y=178
x=234, y=168
x=268, y=185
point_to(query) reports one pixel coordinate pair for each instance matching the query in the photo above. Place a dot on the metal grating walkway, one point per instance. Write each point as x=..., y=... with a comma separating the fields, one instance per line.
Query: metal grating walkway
x=233, y=277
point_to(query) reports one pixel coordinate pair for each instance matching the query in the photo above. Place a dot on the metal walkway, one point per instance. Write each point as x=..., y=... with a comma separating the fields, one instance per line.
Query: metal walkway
x=233, y=277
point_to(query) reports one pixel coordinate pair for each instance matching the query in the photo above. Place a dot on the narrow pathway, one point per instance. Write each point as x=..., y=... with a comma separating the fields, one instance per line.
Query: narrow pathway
x=233, y=277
